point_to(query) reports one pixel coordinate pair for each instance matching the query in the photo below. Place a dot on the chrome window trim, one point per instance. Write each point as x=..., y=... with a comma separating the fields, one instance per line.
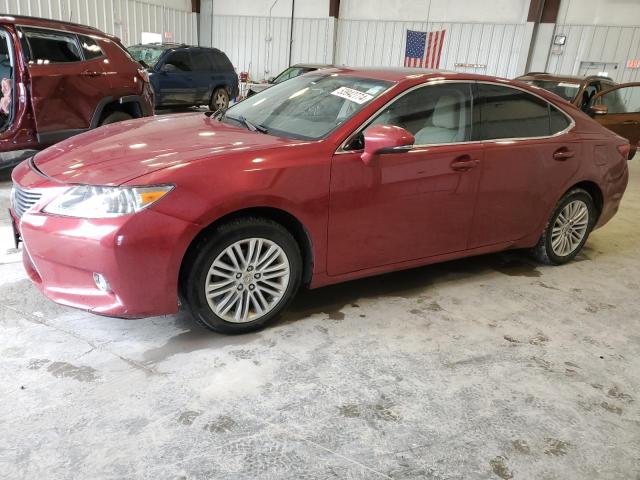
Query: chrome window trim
x=341, y=150
x=56, y=30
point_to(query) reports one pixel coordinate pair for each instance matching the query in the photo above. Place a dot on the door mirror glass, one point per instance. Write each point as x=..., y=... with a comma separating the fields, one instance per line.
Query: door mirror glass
x=598, y=110
x=381, y=139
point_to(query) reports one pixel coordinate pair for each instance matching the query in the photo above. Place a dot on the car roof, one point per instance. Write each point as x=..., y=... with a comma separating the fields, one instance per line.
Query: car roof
x=169, y=46
x=47, y=23
x=312, y=65
x=402, y=74
x=561, y=78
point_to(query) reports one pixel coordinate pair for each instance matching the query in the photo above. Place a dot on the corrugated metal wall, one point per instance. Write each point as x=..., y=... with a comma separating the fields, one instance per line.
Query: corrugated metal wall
x=382, y=43
x=590, y=43
x=125, y=18
x=260, y=45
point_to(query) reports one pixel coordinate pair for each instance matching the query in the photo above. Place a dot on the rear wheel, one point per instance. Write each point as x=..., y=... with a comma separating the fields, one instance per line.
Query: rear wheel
x=242, y=276
x=114, y=117
x=219, y=99
x=568, y=228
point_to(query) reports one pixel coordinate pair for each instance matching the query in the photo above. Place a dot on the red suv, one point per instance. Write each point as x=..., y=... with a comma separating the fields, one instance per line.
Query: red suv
x=59, y=79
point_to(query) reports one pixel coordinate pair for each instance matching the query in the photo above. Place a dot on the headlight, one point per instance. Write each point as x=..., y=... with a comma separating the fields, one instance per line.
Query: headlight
x=88, y=201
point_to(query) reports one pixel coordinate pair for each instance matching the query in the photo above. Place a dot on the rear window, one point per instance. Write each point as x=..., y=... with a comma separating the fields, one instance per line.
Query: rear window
x=511, y=113
x=90, y=47
x=200, y=61
x=48, y=46
x=566, y=90
x=220, y=61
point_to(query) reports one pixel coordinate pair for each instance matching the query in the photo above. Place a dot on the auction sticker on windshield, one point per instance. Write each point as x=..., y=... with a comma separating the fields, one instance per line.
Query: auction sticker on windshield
x=352, y=95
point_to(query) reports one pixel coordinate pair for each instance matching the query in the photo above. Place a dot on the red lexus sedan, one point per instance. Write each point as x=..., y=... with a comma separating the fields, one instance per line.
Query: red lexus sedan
x=334, y=175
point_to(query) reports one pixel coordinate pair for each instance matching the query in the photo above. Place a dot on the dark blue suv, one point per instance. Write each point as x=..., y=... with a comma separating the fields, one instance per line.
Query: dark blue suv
x=182, y=75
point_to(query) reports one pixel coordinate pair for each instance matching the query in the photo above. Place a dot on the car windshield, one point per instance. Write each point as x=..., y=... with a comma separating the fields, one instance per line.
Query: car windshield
x=307, y=107
x=566, y=90
x=148, y=55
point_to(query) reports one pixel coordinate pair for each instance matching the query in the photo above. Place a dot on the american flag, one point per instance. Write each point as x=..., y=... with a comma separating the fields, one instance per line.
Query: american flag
x=423, y=49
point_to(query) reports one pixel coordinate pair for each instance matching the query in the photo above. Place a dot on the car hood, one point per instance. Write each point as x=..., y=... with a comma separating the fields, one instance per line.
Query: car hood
x=118, y=153
x=259, y=87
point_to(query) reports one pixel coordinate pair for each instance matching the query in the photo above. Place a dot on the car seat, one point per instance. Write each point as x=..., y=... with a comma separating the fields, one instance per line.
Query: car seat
x=445, y=125
x=5, y=101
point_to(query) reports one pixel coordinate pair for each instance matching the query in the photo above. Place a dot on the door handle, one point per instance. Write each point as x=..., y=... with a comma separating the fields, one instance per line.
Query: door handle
x=630, y=122
x=463, y=163
x=563, y=154
x=90, y=73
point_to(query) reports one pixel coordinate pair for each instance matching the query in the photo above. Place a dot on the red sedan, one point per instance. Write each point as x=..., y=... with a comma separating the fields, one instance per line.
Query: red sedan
x=334, y=175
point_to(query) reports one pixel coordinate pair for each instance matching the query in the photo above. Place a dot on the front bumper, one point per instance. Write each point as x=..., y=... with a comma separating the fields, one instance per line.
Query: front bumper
x=139, y=255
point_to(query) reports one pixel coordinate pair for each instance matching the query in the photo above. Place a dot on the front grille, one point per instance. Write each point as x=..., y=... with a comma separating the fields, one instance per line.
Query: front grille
x=22, y=199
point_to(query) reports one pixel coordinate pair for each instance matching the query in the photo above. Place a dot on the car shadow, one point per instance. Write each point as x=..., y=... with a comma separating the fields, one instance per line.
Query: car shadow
x=406, y=283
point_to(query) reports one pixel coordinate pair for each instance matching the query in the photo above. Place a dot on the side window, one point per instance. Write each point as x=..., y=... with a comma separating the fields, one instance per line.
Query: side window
x=180, y=59
x=220, y=61
x=289, y=73
x=48, y=46
x=622, y=100
x=200, y=61
x=90, y=47
x=510, y=113
x=558, y=121
x=588, y=94
x=434, y=114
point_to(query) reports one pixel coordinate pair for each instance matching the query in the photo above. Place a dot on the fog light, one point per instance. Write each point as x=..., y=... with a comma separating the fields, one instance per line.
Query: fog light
x=101, y=282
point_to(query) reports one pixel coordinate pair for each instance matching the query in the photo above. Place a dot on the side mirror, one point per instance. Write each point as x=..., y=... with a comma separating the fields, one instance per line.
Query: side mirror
x=381, y=139
x=598, y=109
x=168, y=68
x=271, y=79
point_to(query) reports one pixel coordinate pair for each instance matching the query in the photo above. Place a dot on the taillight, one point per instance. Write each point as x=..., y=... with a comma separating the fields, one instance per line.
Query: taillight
x=144, y=75
x=624, y=150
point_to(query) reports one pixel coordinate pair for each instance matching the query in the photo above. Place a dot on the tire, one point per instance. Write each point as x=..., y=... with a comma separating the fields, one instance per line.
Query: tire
x=551, y=248
x=114, y=117
x=219, y=99
x=251, y=289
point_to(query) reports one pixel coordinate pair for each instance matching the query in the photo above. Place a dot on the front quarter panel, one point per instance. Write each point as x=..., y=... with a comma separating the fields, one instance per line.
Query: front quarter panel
x=292, y=178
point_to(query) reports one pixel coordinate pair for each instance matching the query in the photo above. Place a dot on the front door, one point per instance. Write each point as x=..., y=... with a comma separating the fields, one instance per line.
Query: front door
x=65, y=89
x=623, y=111
x=411, y=205
x=176, y=79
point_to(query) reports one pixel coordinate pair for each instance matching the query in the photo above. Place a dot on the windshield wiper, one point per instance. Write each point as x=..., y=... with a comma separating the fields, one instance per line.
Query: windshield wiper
x=216, y=113
x=250, y=126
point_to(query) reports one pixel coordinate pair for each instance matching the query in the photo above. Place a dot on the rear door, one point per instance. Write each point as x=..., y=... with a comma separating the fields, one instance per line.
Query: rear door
x=528, y=158
x=65, y=89
x=223, y=72
x=203, y=75
x=623, y=111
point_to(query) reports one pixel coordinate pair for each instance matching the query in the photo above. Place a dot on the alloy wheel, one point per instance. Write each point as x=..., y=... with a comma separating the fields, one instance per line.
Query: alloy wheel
x=247, y=280
x=570, y=227
x=220, y=100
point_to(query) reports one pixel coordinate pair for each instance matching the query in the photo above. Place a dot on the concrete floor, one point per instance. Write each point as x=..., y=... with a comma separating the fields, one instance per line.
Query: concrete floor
x=491, y=367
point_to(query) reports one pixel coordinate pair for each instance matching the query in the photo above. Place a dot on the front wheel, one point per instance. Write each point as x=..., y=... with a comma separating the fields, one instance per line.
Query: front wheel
x=568, y=228
x=219, y=100
x=242, y=276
